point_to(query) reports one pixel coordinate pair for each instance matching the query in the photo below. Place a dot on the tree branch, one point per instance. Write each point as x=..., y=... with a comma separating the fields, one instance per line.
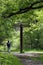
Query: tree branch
x=28, y=8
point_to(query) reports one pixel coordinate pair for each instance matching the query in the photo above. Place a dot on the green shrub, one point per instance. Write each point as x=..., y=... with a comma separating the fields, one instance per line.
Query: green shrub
x=9, y=59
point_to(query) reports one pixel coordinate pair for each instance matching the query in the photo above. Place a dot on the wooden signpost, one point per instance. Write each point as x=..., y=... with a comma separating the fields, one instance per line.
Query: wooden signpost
x=21, y=25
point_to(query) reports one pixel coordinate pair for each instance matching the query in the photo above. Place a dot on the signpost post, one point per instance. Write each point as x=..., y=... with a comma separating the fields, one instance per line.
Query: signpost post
x=21, y=25
x=21, y=38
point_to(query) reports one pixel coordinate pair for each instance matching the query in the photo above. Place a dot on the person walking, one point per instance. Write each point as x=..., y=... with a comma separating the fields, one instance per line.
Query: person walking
x=8, y=46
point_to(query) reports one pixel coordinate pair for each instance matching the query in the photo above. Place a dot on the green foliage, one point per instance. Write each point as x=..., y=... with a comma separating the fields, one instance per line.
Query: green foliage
x=32, y=35
x=9, y=59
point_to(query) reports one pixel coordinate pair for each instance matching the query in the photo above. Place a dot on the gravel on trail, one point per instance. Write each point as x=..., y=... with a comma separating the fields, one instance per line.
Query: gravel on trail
x=30, y=62
x=25, y=60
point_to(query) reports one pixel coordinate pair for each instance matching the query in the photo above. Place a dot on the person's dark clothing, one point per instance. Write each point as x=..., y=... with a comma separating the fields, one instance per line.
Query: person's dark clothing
x=8, y=45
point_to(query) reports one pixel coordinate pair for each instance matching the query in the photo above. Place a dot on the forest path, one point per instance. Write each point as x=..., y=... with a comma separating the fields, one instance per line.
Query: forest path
x=30, y=62
x=26, y=60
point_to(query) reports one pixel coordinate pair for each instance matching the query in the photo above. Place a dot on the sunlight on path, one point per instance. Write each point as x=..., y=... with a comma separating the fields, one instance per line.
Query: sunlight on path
x=26, y=54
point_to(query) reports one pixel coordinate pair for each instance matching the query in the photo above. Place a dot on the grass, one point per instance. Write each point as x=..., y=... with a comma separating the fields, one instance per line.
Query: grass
x=33, y=50
x=9, y=59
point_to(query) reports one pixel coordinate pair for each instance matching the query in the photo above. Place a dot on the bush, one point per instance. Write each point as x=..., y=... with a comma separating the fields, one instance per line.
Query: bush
x=9, y=59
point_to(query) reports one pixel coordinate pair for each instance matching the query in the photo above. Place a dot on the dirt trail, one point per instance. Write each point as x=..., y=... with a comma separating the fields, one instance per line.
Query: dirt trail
x=30, y=62
x=24, y=58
